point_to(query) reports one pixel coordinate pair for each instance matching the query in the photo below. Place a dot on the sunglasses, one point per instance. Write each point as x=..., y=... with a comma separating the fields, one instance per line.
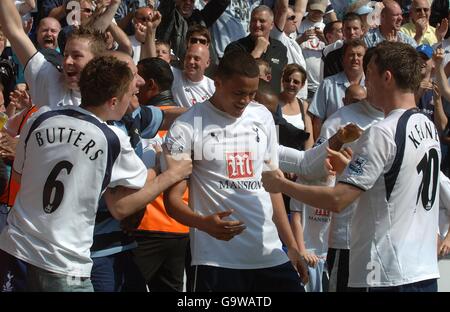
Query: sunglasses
x=194, y=40
x=87, y=10
x=291, y=18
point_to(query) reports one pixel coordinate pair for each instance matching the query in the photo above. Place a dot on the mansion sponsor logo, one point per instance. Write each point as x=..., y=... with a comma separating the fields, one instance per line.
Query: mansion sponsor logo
x=239, y=165
x=241, y=185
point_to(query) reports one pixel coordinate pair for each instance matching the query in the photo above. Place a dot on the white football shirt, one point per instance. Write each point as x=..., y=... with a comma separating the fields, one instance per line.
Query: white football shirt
x=46, y=84
x=67, y=158
x=396, y=162
x=228, y=158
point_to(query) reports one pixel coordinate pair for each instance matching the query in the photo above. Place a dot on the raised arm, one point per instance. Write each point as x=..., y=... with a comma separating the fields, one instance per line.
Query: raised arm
x=280, y=14
x=441, y=77
x=440, y=118
x=27, y=6
x=101, y=19
x=148, y=48
x=58, y=12
x=300, y=9
x=121, y=38
x=12, y=27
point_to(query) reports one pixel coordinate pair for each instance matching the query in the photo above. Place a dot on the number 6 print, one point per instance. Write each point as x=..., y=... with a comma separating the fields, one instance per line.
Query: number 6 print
x=55, y=187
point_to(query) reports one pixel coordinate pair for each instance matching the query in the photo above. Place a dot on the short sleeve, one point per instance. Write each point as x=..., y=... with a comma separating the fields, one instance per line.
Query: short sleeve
x=153, y=123
x=317, y=107
x=42, y=78
x=369, y=160
x=128, y=169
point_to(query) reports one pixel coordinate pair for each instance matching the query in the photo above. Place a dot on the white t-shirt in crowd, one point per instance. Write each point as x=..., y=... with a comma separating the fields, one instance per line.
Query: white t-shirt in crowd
x=312, y=52
x=46, y=84
x=52, y=222
x=187, y=93
x=136, y=47
x=395, y=224
x=228, y=160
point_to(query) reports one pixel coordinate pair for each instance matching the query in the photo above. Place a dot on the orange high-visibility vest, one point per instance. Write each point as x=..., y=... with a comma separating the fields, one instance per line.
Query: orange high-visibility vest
x=155, y=218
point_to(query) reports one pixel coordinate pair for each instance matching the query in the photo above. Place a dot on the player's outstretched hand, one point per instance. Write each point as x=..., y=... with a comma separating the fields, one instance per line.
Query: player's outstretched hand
x=336, y=162
x=219, y=228
x=299, y=263
x=349, y=133
x=179, y=164
x=271, y=180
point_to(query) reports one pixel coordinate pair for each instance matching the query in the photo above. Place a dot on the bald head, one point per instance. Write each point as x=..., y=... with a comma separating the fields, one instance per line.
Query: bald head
x=354, y=93
x=143, y=15
x=391, y=16
x=47, y=33
x=196, y=61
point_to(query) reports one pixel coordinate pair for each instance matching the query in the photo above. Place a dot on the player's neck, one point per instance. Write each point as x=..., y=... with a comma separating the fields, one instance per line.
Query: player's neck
x=399, y=100
x=98, y=111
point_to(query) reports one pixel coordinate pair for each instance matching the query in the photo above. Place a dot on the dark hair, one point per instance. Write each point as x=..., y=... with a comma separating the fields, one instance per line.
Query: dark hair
x=352, y=17
x=367, y=57
x=289, y=69
x=353, y=43
x=329, y=27
x=158, y=70
x=239, y=63
x=198, y=29
x=103, y=78
x=402, y=61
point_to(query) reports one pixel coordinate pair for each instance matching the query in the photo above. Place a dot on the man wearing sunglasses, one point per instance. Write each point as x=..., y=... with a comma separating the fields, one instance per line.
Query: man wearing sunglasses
x=191, y=86
x=179, y=15
x=419, y=27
